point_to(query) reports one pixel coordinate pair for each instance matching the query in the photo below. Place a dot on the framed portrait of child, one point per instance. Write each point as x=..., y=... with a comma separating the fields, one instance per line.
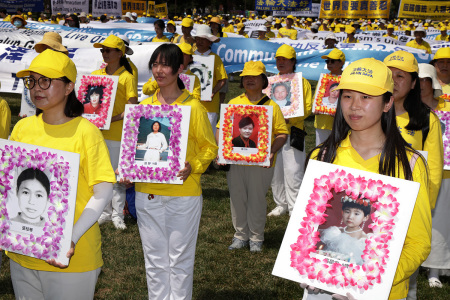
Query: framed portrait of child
x=347, y=231
x=98, y=94
x=245, y=134
x=37, y=202
x=326, y=97
x=154, y=143
x=287, y=91
x=203, y=68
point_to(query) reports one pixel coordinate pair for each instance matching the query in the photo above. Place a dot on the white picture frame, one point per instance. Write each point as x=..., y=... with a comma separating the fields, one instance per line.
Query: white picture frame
x=301, y=251
x=154, y=157
x=232, y=148
x=32, y=227
x=27, y=107
x=188, y=81
x=203, y=68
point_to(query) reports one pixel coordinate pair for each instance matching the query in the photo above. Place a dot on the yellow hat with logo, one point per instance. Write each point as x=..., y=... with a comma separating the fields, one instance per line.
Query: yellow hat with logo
x=186, y=48
x=368, y=76
x=112, y=41
x=442, y=53
x=402, y=60
x=51, y=64
x=253, y=68
x=187, y=22
x=286, y=51
x=335, y=54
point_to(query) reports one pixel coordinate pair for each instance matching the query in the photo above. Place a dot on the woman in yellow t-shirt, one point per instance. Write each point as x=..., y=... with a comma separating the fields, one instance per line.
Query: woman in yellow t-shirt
x=58, y=124
x=365, y=137
x=159, y=29
x=113, y=52
x=169, y=215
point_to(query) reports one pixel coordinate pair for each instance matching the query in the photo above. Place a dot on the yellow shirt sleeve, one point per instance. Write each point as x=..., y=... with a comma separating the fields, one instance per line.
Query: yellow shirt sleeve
x=150, y=87
x=5, y=119
x=433, y=144
x=196, y=93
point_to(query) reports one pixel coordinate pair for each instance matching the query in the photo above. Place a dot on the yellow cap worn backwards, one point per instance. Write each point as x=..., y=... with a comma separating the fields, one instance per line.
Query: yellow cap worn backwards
x=402, y=60
x=253, y=68
x=286, y=51
x=335, y=54
x=51, y=64
x=112, y=41
x=368, y=76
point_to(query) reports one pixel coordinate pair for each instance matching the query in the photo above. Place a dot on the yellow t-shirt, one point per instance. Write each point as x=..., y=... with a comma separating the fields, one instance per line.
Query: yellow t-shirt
x=290, y=33
x=78, y=136
x=151, y=86
x=433, y=145
x=348, y=42
x=7, y=18
x=201, y=150
x=223, y=34
x=244, y=35
x=270, y=34
x=441, y=38
x=424, y=46
x=444, y=106
x=229, y=28
x=417, y=243
x=161, y=40
x=174, y=36
x=5, y=119
x=126, y=89
x=446, y=88
x=392, y=36
x=219, y=74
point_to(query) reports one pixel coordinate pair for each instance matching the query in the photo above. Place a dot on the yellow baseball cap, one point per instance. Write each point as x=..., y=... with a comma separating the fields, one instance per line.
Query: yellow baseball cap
x=286, y=51
x=51, y=64
x=402, y=60
x=309, y=19
x=171, y=22
x=277, y=21
x=442, y=53
x=186, y=48
x=240, y=25
x=214, y=20
x=350, y=30
x=187, y=22
x=390, y=26
x=290, y=17
x=335, y=54
x=443, y=28
x=253, y=68
x=112, y=41
x=368, y=76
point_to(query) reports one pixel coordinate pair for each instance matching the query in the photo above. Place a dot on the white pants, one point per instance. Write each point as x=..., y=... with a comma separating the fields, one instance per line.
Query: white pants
x=114, y=209
x=213, y=120
x=168, y=227
x=288, y=175
x=37, y=285
x=322, y=135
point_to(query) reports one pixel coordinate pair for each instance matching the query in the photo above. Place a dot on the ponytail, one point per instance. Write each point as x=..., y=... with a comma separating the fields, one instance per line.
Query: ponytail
x=180, y=84
x=124, y=63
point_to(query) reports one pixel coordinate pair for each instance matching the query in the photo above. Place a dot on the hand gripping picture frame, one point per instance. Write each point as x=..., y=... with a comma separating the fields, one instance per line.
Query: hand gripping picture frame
x=287, y=91
x=38, y=190
x=320, y=248
x=245, y=134
x=325, y=100
x=444, y=118
x=98, y=94
x=203, y=68
x=154, y=143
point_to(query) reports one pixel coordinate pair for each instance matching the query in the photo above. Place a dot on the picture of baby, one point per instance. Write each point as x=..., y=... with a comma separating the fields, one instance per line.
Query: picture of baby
x=33, y=189
x=347, y=242
x=94, y=98
x=246, y=126
x=333, y=95
x=281, y=93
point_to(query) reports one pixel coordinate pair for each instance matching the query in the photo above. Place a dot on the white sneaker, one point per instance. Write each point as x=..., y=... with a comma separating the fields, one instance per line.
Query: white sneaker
x=277, y=211
x=119, y=223
x=102, y=220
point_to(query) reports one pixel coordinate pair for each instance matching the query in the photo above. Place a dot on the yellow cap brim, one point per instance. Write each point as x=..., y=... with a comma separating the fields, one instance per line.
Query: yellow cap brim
x=45, y=71
x=100, y=45
x=362, y=88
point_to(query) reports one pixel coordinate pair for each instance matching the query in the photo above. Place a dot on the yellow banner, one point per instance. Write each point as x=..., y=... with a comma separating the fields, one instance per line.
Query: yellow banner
x=151, y=8
x=133, y=6
x=354, y=9
x=435, y=10
x=161, y=10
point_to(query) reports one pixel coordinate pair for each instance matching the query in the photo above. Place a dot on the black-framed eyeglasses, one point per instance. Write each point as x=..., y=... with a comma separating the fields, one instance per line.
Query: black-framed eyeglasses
x=331, y=61
x=44, y=82
x=108, y=50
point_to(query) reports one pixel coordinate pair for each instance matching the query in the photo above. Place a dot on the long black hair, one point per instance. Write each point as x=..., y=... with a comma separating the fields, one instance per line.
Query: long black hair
x=418, y=112
x=74, y=108
x=395, y=148
x=97, y=89
x=172, y=56
x=124, y=63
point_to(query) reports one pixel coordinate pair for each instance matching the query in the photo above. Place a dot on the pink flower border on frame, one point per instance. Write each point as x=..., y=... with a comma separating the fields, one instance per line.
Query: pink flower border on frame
x=186, y=80
x=294, y=79
x=97, y=80
x=47, y=245
x=376, y=252
x=127, y=166
x=444, y=117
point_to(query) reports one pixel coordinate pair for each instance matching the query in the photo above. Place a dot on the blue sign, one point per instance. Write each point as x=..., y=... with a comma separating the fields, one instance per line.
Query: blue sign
x=28, y=5
x=285, y=5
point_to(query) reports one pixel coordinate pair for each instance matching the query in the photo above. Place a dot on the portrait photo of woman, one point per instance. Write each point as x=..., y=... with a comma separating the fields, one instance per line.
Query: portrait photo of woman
x=281, y=93
x=155, y=144
x=246, y=127
x=33, y=190
x=333, y=96
x=94, y=100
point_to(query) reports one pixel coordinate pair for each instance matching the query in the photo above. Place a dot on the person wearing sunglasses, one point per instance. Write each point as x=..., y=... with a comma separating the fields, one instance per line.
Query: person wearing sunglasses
x=58, y=124
x=113, y=51
x=335, y=61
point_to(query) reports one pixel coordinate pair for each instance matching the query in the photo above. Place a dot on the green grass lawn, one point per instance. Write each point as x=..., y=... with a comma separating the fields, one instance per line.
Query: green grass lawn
x=218, y=273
